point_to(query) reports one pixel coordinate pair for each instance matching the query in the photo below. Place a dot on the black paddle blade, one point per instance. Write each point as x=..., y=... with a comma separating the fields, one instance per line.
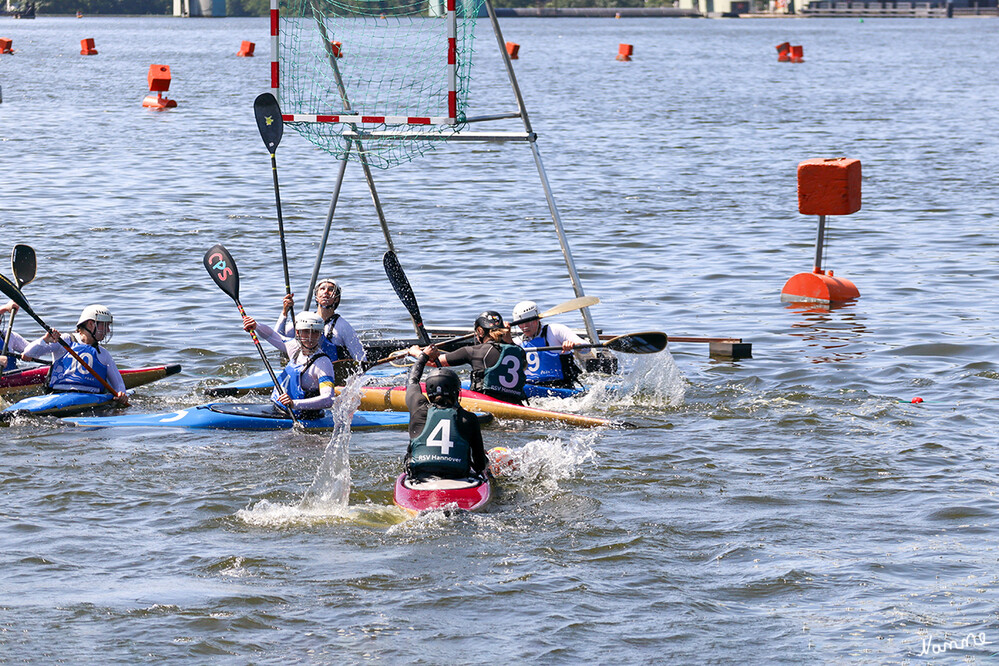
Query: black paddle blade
x=222, y=267
x=638, y=343
x=13, y=293
x=405, y=292
x=269, y=120
x=22, y=264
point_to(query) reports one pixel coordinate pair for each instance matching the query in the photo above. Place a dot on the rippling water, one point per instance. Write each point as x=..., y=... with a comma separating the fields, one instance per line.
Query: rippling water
x=793, y=507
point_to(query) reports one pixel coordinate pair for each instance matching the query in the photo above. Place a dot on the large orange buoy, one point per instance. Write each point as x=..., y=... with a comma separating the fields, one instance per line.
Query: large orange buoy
x=246, y=49
x=6, y=45
x=825, y=187
x=624, y=52
x=87, y=46
x=159, y=83
x=512, y=50
x=784, y=52
x=797, y=54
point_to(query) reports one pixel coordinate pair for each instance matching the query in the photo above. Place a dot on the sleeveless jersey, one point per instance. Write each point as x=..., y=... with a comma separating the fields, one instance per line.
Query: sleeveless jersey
x=331, y=349
x=290, y=380
x=505, y=379
x=440, y=450
x=68, y=375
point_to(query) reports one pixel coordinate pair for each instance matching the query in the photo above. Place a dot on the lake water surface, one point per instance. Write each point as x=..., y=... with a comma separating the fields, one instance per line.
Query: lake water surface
x=795, y=507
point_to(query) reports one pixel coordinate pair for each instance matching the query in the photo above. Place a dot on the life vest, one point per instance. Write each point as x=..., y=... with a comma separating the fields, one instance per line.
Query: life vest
x=440, y=450
x=290, y=380
x=548, y=367
x=68, y=375
x=504, y=379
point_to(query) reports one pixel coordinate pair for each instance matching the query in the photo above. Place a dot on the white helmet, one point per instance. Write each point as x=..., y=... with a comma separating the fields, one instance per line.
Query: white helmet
x=97, y=313
x=309, y=321
x=526, y=310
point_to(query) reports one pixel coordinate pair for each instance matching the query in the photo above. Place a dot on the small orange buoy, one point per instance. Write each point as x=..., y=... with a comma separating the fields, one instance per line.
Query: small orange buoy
x=6, y=45
x=87, y=46
x=159, y=83
x=624, y=52
x=336, y=48
x=512, y=50
x=797, y=54
x=246, y=49
x=916, y=400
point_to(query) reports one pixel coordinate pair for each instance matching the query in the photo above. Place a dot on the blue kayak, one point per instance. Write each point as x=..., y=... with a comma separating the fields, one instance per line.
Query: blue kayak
x=240, y=416
x=56, y=404
x=260, y=382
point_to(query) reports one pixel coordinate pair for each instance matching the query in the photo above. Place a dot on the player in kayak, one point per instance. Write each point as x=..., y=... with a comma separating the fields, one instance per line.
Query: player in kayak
x=445, y=439
x=339, y=340
x=94, y=326
x=498, y=365
x=547, y=368
x=306, y=383
x=16, y=343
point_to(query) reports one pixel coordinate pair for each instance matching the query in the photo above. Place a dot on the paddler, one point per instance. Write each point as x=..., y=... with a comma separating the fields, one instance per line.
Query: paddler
x=498, y=365
x=16, y=343
x=547, y=368
x=445, y=439
x=306, y=383
x=94, y=326
x=339, y=339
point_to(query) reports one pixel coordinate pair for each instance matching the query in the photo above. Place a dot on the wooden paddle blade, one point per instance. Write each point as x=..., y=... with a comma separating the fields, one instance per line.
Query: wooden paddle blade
x=405, y=292
x=269, y=120
x=570, y=305
x=638, y=343
x=222, y=267
x=22, y=264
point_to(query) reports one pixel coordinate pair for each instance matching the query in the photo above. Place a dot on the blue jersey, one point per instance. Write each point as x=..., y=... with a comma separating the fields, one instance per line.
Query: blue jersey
x=542, y=365
x=290, y=380
x=68, y=375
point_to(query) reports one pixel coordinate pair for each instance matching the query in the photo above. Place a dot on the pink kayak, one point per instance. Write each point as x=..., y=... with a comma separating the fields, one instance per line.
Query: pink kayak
x=466, y=494
x=31, y=381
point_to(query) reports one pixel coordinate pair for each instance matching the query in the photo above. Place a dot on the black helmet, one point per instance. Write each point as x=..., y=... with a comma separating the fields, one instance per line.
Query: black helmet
x=489, y=320
x=443, y=387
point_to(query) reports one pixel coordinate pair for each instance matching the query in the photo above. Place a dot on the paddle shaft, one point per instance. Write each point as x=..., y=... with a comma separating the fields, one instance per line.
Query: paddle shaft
x=10, y=330
x=280, y=217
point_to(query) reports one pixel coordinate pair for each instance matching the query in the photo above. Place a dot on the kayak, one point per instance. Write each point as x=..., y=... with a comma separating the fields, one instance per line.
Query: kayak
x=245, y=416
x=394, y=398
x=23, y=382
x=56, y=404
x=414, y=495
x=260, y=382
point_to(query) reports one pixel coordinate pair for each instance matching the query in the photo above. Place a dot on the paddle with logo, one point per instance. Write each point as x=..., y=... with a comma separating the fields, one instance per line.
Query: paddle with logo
x=13, y=293
x=22, y=266
x=650, y=342
x=222, y=267
x=271, y=126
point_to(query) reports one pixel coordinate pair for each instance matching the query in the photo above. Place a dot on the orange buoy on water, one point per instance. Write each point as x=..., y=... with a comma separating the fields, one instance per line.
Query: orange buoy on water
x=336, y=48
x=825, y=187
x=624, y=52
x=784, y=52
x=159, y=83
x=6, y=45
x=797, y=54
x=512, y=50
x=87, y=46
x=246, y=49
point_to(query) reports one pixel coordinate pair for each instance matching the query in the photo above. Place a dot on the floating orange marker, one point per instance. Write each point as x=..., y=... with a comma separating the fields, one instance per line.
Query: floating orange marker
x=784, y=52
x=512, y=50
x=6, y=45
x=624, y=52
x=159, y=83
x=825, y=187
x=797, y=54
x=87, y=46
x=246, y=49
x=336, y=48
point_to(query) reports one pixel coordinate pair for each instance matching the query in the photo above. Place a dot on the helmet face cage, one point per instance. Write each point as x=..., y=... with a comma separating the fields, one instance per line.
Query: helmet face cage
x=336, y=292
x=97, y=314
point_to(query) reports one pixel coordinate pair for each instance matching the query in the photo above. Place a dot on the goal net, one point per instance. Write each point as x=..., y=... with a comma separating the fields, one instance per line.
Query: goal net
x=384, y=78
